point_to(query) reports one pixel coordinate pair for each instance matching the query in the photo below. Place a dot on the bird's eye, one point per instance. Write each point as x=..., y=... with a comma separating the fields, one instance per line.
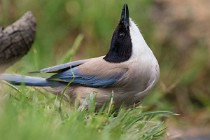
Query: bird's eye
x=121, y=35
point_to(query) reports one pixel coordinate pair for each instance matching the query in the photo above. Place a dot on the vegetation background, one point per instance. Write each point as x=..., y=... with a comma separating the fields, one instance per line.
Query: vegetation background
x=176, y=31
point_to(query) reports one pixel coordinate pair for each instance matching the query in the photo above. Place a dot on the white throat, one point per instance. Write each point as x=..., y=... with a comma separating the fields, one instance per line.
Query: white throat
x=140, y=47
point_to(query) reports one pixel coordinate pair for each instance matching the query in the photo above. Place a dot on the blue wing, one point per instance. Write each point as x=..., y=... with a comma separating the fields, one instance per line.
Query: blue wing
x=75, y=78
x=69, y=73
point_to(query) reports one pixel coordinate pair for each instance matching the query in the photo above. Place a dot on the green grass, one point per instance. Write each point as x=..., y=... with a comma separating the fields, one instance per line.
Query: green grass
x=28, y=113
x=75, y=29
x=64, y=29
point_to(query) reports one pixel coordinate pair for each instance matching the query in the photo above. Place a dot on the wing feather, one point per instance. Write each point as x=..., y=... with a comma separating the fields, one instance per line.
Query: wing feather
x=61, y=67
x=76, y=78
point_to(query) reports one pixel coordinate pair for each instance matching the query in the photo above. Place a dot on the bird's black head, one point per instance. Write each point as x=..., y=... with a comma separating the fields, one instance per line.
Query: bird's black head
x=121, y=46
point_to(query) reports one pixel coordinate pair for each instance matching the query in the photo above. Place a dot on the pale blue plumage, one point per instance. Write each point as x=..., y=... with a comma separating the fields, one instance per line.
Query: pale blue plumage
x=28, y=80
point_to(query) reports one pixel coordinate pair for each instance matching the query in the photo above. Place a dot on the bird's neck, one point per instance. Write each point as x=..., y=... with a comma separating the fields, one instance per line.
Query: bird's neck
x=140, y=47
x=118, y=54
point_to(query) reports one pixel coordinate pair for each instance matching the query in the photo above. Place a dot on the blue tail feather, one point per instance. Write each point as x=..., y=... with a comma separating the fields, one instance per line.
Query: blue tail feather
x=28, y=80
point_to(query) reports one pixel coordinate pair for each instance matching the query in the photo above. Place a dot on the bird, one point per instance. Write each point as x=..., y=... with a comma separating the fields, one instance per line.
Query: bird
x=126, y=74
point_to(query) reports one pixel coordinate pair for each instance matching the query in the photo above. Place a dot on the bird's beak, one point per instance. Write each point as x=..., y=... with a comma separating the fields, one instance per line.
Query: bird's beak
x=125, y=16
